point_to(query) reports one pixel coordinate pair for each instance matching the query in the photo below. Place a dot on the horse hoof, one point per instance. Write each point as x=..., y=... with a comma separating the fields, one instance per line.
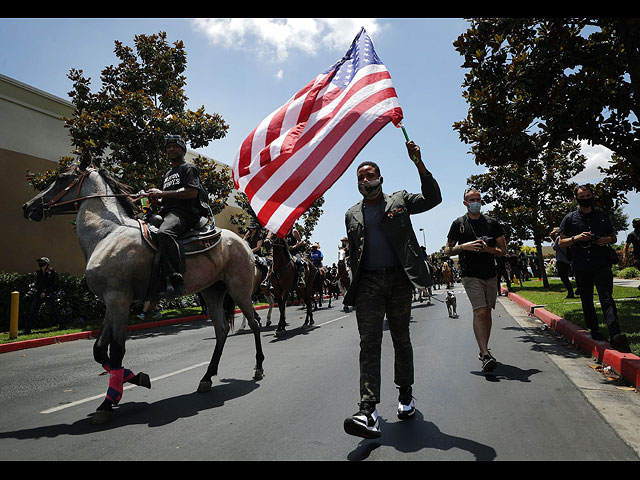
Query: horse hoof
x=144, y=380
x=101, y=417
x=258, y=373
x=205, y=387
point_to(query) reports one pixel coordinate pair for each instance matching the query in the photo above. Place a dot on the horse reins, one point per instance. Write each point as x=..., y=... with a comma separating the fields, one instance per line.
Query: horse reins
x=78, y=181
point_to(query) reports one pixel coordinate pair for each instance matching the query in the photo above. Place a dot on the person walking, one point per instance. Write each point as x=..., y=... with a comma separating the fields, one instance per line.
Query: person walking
x=476, y=239
x=563, y=262
x=387, y=263
x=588, y=232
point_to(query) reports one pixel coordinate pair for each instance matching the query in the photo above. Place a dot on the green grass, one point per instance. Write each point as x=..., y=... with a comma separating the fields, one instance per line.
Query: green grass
x=553, y=298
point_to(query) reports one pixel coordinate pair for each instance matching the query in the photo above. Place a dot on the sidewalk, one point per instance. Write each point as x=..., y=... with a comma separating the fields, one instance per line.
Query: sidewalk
x=625, y=364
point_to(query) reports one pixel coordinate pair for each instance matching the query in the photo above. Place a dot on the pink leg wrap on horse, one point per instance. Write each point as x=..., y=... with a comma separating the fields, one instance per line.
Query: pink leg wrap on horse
x=117, y=376
x=127, y=376
x=114, y=392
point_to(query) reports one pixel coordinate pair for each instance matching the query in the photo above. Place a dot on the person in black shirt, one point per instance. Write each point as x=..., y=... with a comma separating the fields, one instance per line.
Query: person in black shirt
x=633, y=239
x=44, y=289
x=477, y=239
x=183, y=204
x=588, y=232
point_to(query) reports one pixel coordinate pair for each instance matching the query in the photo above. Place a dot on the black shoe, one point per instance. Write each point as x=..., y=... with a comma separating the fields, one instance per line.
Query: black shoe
x=406, y=406
x=597, y=336
x=489, y=362
x=364, y=423
x=621, y=343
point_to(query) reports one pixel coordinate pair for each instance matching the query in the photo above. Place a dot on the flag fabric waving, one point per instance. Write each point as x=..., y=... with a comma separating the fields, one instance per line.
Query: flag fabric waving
x=295, y=154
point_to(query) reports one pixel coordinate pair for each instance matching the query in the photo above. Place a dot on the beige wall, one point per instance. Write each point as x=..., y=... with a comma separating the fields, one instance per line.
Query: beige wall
x=33, y=137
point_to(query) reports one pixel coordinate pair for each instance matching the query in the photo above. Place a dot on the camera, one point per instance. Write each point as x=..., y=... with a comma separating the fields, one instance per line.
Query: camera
x=490, y=241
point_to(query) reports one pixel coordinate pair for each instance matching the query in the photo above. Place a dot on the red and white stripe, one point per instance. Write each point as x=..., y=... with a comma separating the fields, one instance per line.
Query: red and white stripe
x=295, y=154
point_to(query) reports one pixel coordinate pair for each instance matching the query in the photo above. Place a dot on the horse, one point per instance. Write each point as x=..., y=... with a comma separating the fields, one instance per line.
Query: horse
x=119, y=264
x=331, y=283
x=265, y=290
x=317, y=291
x=283, y=272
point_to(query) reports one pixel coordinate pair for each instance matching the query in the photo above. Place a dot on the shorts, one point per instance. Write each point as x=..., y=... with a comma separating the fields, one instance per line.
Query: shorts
x=482, y=292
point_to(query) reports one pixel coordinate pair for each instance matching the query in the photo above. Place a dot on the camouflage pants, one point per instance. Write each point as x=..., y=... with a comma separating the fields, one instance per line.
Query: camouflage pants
x=377, y=295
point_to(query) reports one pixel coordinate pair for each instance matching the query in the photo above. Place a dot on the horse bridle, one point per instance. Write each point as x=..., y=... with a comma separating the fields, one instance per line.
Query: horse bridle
x=81, y=174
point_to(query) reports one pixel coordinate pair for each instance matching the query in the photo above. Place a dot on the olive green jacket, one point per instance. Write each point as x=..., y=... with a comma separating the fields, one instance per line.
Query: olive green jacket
x=397, y=225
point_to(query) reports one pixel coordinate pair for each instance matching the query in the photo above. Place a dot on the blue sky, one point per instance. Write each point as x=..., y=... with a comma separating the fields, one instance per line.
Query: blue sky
x=246, y=68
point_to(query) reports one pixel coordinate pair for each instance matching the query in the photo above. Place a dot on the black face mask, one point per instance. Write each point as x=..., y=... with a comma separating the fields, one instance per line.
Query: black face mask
x=585, y=202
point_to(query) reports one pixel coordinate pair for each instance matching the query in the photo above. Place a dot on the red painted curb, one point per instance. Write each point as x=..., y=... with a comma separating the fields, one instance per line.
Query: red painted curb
x=39, y=342
x=625, y=364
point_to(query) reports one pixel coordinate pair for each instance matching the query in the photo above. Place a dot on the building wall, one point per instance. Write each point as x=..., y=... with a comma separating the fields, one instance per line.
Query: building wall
x=33, y=137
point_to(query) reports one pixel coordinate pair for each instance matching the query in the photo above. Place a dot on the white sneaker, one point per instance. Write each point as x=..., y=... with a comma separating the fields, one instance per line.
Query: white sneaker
x=364, y=423
x=406, y=406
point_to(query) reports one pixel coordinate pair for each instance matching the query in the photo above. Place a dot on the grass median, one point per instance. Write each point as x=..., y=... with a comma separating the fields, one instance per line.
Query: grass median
x=553, y=298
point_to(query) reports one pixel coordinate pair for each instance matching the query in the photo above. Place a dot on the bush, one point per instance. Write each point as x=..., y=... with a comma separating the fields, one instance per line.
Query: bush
x=74, y=300
x=629, y=272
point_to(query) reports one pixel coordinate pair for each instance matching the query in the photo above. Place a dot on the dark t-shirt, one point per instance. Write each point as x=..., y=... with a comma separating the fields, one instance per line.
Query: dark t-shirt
x=463, y=230
x=587, y=255
x=634, y=239
x=185, y=175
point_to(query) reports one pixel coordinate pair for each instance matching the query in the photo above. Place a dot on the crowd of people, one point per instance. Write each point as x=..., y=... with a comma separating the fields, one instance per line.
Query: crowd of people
x=386, y=265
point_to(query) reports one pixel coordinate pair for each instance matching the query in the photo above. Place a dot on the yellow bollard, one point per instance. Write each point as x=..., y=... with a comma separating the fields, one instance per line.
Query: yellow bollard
x=15, y=309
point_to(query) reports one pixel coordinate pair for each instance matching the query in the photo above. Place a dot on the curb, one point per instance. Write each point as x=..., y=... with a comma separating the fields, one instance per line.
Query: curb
x=625, y=364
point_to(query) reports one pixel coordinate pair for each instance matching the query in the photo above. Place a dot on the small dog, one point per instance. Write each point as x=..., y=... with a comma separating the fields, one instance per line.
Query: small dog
x=451, y=305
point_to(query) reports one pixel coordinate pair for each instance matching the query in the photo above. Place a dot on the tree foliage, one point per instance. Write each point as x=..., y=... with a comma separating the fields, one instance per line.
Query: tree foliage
x=535, y=83
x=142, y=99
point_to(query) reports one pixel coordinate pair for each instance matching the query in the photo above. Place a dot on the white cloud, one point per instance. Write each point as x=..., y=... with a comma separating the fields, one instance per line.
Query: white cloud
x=273, y=38
x=597, y=156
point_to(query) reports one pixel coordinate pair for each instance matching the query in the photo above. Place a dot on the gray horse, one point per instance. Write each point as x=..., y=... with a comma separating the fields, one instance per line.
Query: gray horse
x=118, y=269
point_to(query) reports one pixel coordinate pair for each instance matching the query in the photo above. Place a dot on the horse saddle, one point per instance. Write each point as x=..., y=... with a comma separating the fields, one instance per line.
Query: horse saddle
x=202, y=237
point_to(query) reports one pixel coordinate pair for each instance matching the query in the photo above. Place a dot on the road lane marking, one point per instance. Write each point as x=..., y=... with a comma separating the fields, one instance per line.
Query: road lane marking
x=129, y=387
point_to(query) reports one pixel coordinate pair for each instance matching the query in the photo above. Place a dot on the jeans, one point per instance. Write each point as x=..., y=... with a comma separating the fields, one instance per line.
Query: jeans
x=172, y=227
x=602, y=278
x=35, y=308
x=376, y=295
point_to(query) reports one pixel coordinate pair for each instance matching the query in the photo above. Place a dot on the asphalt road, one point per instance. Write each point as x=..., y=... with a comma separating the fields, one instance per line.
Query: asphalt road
x=542, y=403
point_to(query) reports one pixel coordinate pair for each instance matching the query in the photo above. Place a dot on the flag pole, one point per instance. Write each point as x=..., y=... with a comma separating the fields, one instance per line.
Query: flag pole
x=406, y=136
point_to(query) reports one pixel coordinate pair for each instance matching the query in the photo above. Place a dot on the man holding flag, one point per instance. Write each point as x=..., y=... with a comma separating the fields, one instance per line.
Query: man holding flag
x=387, y=263
x=301, y=149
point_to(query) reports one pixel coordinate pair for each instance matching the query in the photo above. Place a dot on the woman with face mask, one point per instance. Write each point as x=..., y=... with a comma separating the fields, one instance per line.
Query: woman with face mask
x=587, y=231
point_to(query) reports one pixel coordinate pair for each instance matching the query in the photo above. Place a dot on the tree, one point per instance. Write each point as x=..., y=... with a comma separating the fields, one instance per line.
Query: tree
x=534, y=83
x=140, y=101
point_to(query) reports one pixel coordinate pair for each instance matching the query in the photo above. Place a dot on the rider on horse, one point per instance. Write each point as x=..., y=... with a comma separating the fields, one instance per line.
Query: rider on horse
x=296, y=248
x=255, y=237
x=316, y=256
x=184, y=203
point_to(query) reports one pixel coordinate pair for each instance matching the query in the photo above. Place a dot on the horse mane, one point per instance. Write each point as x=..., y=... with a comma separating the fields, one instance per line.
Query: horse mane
x=119, y=188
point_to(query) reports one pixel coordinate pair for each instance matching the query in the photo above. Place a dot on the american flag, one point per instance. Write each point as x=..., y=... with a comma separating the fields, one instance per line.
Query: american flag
x=295, y=154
